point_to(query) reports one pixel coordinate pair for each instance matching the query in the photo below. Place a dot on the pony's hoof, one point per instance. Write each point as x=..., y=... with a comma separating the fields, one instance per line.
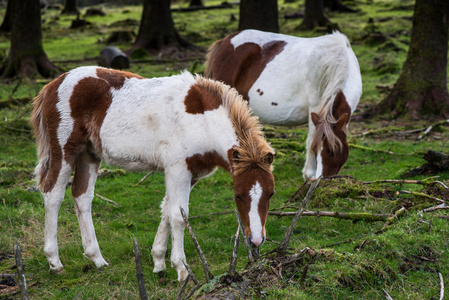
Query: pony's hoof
x=57, y=271
x=182, y=275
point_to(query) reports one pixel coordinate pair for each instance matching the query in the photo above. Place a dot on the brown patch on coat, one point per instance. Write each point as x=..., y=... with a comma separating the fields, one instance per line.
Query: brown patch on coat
x=115, y=78
x=82, y=175
x=199, y=99
x=202, y=164
x=45, y=111
x=260, y=92
x=90, y=99
x=274, y=104
x=242, y=66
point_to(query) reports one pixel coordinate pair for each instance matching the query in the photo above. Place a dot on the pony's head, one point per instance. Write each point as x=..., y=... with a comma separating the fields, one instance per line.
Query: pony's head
x=253, y=189
x=331, y=148
x=329, y=142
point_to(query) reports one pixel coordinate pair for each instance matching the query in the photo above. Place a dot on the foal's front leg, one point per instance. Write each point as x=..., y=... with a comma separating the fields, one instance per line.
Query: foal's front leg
x=177, y=182
x=309, y=171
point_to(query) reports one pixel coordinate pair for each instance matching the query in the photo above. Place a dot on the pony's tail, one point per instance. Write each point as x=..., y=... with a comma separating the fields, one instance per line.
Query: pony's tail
x=42, y=141
x=210, y=58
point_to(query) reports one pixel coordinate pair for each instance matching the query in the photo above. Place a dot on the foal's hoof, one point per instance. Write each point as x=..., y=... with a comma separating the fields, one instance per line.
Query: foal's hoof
x=57, y=271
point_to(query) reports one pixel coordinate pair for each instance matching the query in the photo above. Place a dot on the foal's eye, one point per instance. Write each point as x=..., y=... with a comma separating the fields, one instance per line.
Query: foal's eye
x=238, y=197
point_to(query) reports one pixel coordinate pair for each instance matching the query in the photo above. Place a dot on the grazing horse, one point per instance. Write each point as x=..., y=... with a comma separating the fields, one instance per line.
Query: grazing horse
x=182, y=125
x=292, y=81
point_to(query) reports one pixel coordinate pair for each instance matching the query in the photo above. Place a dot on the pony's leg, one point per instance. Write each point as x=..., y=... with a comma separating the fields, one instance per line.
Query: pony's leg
x=178, y=183
x=86, y=170
x=52, y=201
x=161, y=239
x=309, y=171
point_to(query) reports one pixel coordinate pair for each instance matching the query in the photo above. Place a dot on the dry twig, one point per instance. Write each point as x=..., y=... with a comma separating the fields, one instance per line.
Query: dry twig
x=144, y=177
x=441, y=286
x=20, y=272
x=139, y=271
x=286, y=239
x=207, y=271
x=387, y=295
x=233, y=263
x=368, y=217
x=391, y=219
x=106, y=199
x=245, y=240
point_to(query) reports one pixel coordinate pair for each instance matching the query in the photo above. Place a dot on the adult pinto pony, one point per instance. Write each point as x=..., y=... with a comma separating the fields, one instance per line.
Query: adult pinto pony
x=182, y=125
x=292, y=81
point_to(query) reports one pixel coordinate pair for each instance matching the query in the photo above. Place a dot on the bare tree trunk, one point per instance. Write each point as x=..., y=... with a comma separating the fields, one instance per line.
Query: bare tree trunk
x=157, y=29
x=71, y=7
x=7, y=20
x=421, y=90
x=257, y=14
x=314, y=15
x=26, y=55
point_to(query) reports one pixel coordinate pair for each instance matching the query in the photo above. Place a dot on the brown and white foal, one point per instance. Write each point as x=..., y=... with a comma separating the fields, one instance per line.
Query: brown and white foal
x=181, y=125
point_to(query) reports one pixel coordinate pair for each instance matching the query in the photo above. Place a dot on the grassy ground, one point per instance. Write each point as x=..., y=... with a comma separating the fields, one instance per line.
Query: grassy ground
x=404, y=259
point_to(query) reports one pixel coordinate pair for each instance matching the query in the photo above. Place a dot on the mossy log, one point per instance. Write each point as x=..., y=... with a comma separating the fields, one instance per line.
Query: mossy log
x=113, y=57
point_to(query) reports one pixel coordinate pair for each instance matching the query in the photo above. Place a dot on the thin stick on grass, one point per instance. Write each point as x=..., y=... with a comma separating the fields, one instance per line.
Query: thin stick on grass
x=245, y=240
x=288, y=234
x=191, y=274
x=368, y=217
x=144, y=177
x=183, y=287
x=207, y=271
x=434, y=208
x=422, y=195
x=20, y=272
x=139, y=271
x=441, y=286
x=106, y=199
x=234, y=257
x=387, y=295
x=391, y=220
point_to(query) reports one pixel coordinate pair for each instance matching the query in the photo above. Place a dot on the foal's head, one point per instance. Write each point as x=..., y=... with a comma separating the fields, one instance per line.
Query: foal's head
x=253, y=189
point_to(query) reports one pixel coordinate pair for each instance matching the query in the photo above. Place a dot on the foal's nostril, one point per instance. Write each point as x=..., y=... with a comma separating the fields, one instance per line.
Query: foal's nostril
x=251, y=242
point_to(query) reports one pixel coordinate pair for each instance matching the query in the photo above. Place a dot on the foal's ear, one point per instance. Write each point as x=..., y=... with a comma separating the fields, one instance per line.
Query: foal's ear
x=315, y=118
x=269, y=158
x=341, y=122
x=235, y=155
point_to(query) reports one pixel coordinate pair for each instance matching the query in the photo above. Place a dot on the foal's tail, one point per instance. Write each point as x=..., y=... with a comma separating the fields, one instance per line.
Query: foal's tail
x=210, y=58
x=42, y=141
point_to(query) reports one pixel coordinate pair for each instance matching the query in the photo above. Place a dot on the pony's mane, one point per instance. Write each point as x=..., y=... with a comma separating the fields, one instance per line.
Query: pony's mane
x=331, y=78
x=252, y=147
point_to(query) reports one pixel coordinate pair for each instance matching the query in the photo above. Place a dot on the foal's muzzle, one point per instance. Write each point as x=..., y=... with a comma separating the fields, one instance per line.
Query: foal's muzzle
x=256, y=243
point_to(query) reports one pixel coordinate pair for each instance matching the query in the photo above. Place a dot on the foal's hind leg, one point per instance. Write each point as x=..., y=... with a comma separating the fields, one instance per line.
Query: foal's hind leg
x=161, y=239
x=86, y=170
x=53, y=196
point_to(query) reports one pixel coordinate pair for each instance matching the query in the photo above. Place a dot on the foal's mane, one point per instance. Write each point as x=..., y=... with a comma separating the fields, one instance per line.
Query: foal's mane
x=252, y=146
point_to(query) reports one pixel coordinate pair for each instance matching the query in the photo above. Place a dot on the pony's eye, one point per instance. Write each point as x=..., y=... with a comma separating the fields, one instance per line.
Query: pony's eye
x=238, y=197
x=271, y=195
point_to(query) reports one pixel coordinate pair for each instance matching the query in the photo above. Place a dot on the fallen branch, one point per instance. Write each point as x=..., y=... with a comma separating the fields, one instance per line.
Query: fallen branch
x=286, y=239
x=144, y=177
x=426, y=181
x=235, y=249
x=183, y=287
x=441, y=286
x=427, y=131
x=387, y=295
x=245, y=240
x=391, y=219
x=20, y=272
x=139, y=271
x=207, y=271
x=422, y=195
x=106, y=199
x=355, y=217
x=191, y=274
x=434, y=208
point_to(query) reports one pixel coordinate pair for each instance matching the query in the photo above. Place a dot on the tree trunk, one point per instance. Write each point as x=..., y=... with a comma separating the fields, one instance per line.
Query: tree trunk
x=314, y=15
x=26, y=55
x=421, y=90
x=157, y=29
x=257, y=14
x=7, y=20
x=71, y=7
